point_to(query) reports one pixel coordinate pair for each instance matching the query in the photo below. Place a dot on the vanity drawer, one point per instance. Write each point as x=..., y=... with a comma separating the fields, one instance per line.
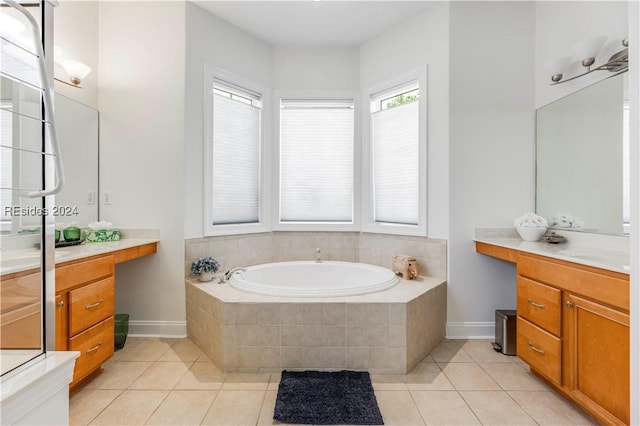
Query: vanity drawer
x=539, y=349
x=611, y=288
x=75, y=274
x=539, y=304
x=95, y=346
x=90, y=304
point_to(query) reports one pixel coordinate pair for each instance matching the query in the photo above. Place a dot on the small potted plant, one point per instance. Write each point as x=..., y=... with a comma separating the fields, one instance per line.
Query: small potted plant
x=205, y=267
x=530, y=226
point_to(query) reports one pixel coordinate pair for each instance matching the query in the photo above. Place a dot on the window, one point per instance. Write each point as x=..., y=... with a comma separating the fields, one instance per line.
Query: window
x=316, y=161
x=234, y=152
x=6, y=178
x=395, y=155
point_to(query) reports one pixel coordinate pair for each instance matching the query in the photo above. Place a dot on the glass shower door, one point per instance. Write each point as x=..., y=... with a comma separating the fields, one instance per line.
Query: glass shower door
x=26, y=230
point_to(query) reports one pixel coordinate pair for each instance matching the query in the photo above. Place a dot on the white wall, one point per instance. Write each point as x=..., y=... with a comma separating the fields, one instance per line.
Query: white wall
x=316, y=68
x=491, y=152
x=75, y=31
x=421, y=40
x=210, y=40
x=142, y=127
x=562, y=24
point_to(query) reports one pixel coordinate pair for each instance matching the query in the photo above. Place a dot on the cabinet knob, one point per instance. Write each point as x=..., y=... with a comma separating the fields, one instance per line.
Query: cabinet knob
x=569, y=304
x=60, y=304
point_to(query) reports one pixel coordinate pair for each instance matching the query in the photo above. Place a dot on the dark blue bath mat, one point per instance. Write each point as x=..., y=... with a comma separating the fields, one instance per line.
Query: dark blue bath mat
x=327, y=398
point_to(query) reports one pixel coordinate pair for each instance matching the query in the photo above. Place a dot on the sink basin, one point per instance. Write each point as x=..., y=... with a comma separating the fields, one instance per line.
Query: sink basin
x=598, y=256
x=26, y=255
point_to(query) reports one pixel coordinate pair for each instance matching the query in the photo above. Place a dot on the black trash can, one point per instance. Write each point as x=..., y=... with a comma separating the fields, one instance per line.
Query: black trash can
x=121, y=330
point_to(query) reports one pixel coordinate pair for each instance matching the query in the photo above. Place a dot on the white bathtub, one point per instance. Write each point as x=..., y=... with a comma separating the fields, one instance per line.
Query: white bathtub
x=313, y=279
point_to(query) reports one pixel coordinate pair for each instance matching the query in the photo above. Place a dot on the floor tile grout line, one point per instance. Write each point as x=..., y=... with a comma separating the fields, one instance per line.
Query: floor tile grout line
x=104, y=408
x=523, y=408
x=156, y=409
x=209, y=406
x=424, y=421
x=470, y=407
x=510, y=397
x=264, y=397
x=487, y=373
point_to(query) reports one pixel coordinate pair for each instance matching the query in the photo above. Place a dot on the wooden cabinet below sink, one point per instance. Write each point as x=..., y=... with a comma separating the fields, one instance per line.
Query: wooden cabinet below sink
x=85, y=309
x=573, y=330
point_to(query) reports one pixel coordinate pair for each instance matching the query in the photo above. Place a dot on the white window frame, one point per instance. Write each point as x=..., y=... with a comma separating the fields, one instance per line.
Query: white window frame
x=354, y=225
x=368, y=209
x=211, y=73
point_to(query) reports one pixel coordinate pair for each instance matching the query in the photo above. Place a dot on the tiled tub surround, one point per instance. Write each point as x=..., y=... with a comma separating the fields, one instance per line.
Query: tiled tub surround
x=375, y=249
x=384, y=332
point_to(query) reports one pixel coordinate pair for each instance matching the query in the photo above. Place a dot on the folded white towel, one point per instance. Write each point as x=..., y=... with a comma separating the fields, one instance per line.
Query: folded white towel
x=100, y=226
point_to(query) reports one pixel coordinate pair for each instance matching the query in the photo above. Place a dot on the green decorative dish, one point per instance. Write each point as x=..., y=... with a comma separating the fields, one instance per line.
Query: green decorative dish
x=72, y=233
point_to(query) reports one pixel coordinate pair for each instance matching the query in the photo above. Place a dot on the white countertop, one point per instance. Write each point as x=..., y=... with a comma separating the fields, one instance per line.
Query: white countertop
x=605, y=252
x=25, y=259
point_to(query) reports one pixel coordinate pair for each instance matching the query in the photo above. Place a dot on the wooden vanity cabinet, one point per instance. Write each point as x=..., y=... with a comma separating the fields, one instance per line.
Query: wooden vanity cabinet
x=85, y=303
x=85, y=308
x=596, y=363
x=573, y=330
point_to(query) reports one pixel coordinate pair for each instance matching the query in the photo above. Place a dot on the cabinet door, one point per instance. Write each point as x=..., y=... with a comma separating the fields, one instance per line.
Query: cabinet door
x=62, y=322
x=596, y=362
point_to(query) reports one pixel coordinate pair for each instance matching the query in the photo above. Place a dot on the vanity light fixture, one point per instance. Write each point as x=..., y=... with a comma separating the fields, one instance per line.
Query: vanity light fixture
x=586, y=53
x=587, y=50
x=76, y=71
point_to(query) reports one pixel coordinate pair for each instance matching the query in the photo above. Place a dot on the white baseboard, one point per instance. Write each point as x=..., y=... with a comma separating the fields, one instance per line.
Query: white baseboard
x=471, y=330
x=175, y=329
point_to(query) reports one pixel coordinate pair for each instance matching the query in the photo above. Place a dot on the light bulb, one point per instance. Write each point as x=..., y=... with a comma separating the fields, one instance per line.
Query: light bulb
x=555, y=67
x=77, y=71
x=587, y=50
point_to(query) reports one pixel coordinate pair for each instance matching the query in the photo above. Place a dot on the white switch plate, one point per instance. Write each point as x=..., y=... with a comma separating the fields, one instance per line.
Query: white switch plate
x=107, y=197
x=91, y=198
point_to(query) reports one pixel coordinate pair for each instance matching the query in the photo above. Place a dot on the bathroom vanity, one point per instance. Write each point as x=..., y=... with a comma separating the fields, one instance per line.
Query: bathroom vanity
x=84, y=303
x=572, y=321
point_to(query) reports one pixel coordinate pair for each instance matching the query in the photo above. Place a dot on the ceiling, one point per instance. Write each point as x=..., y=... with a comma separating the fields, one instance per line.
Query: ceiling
x=314, y=23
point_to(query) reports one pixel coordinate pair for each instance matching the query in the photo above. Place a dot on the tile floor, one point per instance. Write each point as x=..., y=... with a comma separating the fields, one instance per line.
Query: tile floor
x=171, y=382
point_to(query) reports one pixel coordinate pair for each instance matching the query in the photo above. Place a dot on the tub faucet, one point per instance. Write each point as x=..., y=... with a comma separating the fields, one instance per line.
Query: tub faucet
x=225, y=277
x=318, y=255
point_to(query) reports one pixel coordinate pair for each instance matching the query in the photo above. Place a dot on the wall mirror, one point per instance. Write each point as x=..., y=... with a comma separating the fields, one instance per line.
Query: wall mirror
x=77, y=126
x=582, y=159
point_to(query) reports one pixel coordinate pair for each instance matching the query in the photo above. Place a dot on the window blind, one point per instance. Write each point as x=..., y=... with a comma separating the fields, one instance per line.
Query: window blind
x=6, y=178
x=21, y=160
x=236, y=161
x=316, y=160
x=394, y=132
